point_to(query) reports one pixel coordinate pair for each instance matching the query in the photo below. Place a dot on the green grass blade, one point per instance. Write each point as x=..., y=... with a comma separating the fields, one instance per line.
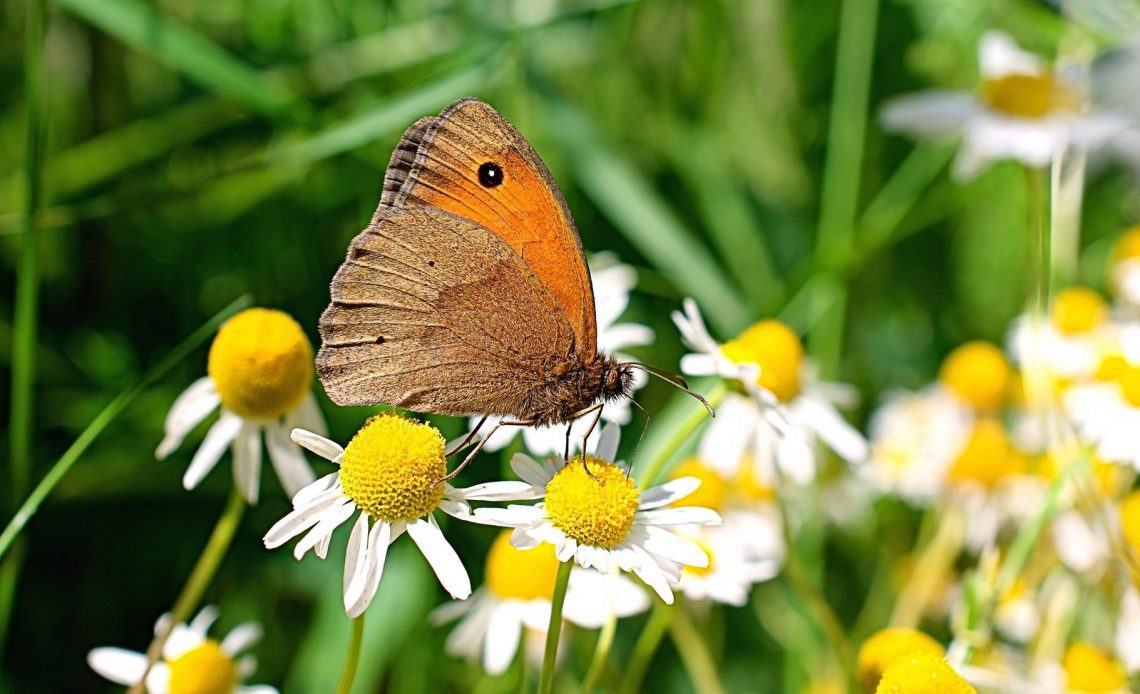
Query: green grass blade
x=113, y=409
x=182, y=49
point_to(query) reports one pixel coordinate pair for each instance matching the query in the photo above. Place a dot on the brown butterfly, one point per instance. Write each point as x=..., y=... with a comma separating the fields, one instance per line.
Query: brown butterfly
x=468, y=293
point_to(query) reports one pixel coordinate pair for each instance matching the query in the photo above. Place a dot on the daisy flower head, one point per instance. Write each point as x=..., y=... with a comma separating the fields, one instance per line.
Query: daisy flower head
x=790, y=408
x=1106, y=408
x=259, y=374
x=922, y=673
x=1023, y=110
x=1124, y=268
x=389, y=478
x=883, y=648
x=1071, y=343
x=612, y=282
x=594, y=514
x=515, y=599
x=979, y=375
x=191, y=662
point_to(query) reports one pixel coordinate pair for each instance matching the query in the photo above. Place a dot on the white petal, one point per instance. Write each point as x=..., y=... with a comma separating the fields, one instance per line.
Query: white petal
x=649, y=572
x=929, y=114
x=529, y=471
x=1128, y=630
x=256, y=689
x=359, y=595
x=999, y=55
x=667, y=493
x=830, y=426
x=608, y=441
x=217, y=440
x=329, y=450
x=665, y=544
x=118, y=665
x=329, y=522
x=308, y=416
x=247, y=460
x=188, y=410
x=158, y=679
x=683, y=515
x=502, y=640
x=498, y=491
x=204, y=620
x=182, y=638
x=320, y=487
x=299, y=520
x=442, y=558
x=623, y=335
x=241, y=637
x=357, y=550
x=288, y=462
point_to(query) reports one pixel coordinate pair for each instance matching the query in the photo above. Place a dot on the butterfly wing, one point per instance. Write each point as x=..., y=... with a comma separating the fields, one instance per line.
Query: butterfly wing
x=442, y=163
x=435, y=313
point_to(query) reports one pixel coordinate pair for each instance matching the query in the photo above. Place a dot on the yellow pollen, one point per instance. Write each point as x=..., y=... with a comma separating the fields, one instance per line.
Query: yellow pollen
x=205, y=669
x=1130, y=521
x=1127, y=246
x=1091, y=670
x=711, y=492
x=261, y=363
x=391, y=467
x=923, y=673
x=988, y=457
x=778, y=352
x=979, y=374
x=1078, y=310
x=1126, y=376
x=1029, y=96
x=885, y=647
x=701, y=570
x=596, y=512
x=520, y=574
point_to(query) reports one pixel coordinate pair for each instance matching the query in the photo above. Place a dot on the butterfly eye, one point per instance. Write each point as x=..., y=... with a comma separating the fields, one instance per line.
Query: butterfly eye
x=490, y=174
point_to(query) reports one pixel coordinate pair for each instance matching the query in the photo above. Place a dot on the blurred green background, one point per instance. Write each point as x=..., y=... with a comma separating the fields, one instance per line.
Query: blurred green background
x=196, y=151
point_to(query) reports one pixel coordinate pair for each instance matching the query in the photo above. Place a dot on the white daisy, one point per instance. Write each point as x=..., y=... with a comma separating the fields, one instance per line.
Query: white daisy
x=260, y=374
x=1106, y=410
x=389, y=472
x=514, y=603
x=599, y=518
x=191, y=662
x=1024, y=111
x=734, y=566
x=914, y=438
x=612, y=284
x=788, y=408
x=1073, y=341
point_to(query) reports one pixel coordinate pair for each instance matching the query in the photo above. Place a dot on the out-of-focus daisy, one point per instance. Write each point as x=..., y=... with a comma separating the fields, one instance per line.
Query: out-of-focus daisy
x=389, y=472
x=1085, y=668
x=1022, y=111
x=1083, y=529
x=191, y=663
x=979, y=375
x=885, y=647
x=1071, y=344
x=599, y=518
x=260, y=373
x=732, y=569
x=788, y=409
x=922, y=673
x=991, y=483
x=914, y=439
x=1106, y=409
x=1124, y=268
x=514, y=602
x=612, y=283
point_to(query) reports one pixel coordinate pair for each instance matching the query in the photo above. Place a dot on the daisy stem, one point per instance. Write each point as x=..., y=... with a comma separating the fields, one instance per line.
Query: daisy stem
x=554, y=630
x=200, y=578
x=694, y=653
x=646, y=647
x=601, y=652
x=113, y=409
x=352, y=657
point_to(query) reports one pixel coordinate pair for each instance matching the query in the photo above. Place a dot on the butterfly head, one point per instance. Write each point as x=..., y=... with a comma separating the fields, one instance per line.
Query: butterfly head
x=617, y=379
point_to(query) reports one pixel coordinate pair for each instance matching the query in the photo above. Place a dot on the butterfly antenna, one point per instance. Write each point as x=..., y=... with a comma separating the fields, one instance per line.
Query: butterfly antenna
x=677, y=382
x=644, y=428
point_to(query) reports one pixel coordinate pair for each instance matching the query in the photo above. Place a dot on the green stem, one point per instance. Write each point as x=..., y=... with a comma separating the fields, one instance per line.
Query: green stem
x=646, y=647
x=26, y=300
x=550, y=656
x=28, y=509
x=601, y=652
x=695, y=655
x=839, y=195
x=200, y=578
x=352, y=657
x=1037, y=205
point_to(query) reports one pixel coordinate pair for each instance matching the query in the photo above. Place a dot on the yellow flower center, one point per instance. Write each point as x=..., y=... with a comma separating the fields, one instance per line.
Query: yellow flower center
x=1126, y=376
x=701, y=570
x=205, y=669
x=261, y=363
x=596, y=511
x=978, y=373
x=923, y=673
x=1127, y=246
x=391, y=467
x=711, y=492
x=1029, y=96
x=749, y=486
x=882, y=650
x=1091, y=670
x=988, y=456
x=1078, y=310
x=1130, y=520
x=520, y=574
x=777, y=350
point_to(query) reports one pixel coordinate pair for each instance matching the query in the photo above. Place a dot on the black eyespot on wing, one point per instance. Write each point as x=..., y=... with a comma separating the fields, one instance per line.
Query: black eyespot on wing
x=380, y=340
x=490, y=174
x=431, y=263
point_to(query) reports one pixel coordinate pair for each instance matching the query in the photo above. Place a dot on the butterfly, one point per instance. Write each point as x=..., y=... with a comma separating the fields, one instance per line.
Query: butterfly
x=468, y=293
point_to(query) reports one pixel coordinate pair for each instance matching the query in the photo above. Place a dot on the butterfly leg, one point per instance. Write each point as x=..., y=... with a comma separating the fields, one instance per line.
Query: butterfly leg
x=597, y=410
x=452, y=450
x=479, y=446
x=566, y=453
